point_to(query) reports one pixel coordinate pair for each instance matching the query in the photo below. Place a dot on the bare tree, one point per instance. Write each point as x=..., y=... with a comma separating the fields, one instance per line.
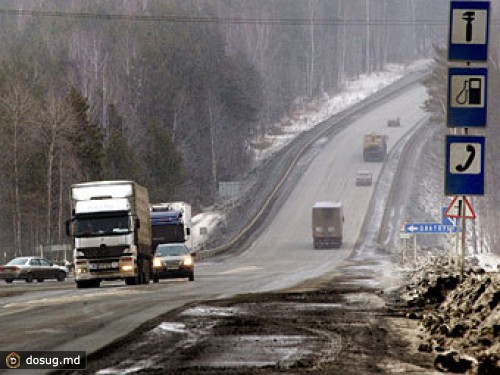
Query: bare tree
x=17, y=107
x=56, y=122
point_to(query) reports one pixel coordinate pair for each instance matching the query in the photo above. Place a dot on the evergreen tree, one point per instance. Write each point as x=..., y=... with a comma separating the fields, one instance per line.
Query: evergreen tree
x=436, y=84
x=120, y=159
x=163, y=164
x=87, y=139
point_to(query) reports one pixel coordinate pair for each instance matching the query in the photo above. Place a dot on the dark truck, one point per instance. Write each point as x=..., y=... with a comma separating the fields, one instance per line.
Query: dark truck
x=171, y=223
x=327, y=225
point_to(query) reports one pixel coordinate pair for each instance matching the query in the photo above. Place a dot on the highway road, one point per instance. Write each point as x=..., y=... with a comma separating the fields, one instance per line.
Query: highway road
x=57, y=316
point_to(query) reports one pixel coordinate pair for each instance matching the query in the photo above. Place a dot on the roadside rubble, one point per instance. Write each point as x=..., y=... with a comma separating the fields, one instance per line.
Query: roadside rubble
x=460, y=319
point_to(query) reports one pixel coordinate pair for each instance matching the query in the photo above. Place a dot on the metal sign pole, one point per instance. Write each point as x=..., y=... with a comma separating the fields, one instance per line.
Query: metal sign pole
x=415, y=249
x=450, y=247
x=405, y=248
x=462, y=260
x=457, y=248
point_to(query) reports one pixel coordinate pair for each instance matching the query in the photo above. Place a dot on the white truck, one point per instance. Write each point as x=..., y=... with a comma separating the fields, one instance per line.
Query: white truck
x=327, y=224
x=171, y=222
x=111, y=227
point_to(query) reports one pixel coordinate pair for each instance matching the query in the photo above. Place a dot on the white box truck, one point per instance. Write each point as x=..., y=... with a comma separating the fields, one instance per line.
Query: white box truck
x=111, y=227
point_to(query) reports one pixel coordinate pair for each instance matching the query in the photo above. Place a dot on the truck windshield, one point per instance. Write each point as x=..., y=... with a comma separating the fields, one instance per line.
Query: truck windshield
x=167, y=233
x=98, y=226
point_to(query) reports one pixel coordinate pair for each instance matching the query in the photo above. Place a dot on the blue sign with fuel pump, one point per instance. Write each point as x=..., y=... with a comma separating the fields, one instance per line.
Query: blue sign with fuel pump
x=468, y=36
x=467, y=97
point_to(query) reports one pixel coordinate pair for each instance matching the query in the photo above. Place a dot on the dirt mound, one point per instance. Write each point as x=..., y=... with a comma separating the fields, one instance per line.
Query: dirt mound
x=460, y=318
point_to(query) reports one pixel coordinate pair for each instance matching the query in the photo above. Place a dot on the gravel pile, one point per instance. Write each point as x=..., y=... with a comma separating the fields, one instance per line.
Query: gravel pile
x=460, y=319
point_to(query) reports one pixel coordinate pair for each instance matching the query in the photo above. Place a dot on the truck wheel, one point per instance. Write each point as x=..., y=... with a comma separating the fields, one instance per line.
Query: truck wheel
x=29, y=278
x=40, y=280
x=9, y=281
x=191, y=276
x=156, y=278
x=82, y=284
x=61, y=276
x=88, y=284
x=131, y=280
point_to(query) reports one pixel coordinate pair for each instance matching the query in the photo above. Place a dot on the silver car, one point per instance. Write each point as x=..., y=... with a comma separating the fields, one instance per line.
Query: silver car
x=364, y=178
x=32, y=268
x=173, y=260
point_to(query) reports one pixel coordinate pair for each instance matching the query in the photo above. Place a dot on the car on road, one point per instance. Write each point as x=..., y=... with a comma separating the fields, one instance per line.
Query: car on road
x=32, y=268
x=394, y=122
x=364, y=178
x=173, y=260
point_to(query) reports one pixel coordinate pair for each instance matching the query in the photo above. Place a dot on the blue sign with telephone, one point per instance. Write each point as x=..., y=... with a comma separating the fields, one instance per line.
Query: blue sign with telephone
x=464, y=173
x=467, y=97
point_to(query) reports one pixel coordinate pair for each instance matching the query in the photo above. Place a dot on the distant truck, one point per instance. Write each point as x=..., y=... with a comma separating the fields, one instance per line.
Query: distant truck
x=327, y=225
x=374, y=147
x=111, y=227
x=171, y=223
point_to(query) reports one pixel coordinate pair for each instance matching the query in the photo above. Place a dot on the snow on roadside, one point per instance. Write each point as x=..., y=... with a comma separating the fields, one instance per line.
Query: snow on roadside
x=209, y=221
x=320, y=110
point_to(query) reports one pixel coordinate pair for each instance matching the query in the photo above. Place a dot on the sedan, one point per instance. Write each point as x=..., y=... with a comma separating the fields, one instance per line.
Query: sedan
x=31, y=268
x=173, y=260
x=364, y=178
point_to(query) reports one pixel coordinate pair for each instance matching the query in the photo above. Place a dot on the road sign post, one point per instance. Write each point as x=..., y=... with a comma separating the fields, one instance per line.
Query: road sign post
x=467, y=98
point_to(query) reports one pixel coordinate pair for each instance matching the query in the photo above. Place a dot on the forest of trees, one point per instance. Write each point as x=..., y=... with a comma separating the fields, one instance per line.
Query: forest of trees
x=170, y=93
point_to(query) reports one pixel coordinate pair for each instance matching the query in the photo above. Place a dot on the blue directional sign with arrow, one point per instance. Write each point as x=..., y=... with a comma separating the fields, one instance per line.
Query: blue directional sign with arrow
x=429, y=228
x=464, y=172
x=468, y=36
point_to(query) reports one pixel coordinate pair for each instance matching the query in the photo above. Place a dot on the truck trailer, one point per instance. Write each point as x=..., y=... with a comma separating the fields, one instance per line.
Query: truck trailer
x=374, y=147
x=111, y=227
x=171, y=223
x=327, y=225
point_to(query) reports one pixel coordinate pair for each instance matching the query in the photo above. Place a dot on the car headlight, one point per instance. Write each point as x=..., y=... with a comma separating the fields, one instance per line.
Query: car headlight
x=187, y=260
x=127, y=267
x=157, y=263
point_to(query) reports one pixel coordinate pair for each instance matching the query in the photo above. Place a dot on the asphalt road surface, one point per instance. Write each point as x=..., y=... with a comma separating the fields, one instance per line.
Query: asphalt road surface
x=57, y=316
